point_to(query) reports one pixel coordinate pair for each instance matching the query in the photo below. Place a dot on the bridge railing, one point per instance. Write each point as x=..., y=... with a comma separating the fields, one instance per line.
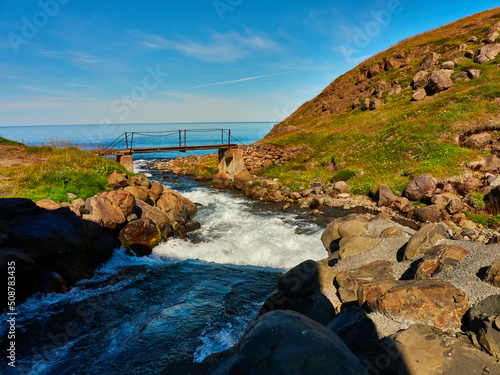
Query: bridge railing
x=173, y=138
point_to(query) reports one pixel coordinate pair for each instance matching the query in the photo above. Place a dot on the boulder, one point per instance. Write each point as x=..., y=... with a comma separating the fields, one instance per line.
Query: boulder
x=456, y=206
x=52, y=282
x=242, y=180
x=385, y=196
x=472, y=39
x=326, y=275
x=79, y=205
x=375, y=104
x=157, y=216
x=348, y=282
x=477, y=140
x=44, y=237
x=426, y=238
x=491, y=165
x=192, y=226
x=420, y=187
x=375, y=70
x=139, y=192
x=439, y=81
x=48, y=204
x=418, y=95
x=140, y=180
x=493, y=274
x=428, y=350
x=473, y=73
x=110, y=216
x=395, y=90
x=155, y=191
x=420, y=80
x=172, y=199
x=484, y=320
x=448, y=65
x=352, y=228
x=122, y=199
x=433, y=302
x=393, y=232
x=353, y=245
x=491, y=37
x=487, y=53
x=284, y=352
x=440, y=258
x=10, y=208
x=341, y=186
x=429, y=61
x=432, y=214
x=300, y=281
x=141, y=236
x=117, y=180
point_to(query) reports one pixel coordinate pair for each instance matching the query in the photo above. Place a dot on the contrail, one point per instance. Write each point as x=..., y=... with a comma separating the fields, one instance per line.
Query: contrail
x=238, y=80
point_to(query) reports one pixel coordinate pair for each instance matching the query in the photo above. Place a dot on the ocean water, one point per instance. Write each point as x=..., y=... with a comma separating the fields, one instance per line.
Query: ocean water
x=187, y=300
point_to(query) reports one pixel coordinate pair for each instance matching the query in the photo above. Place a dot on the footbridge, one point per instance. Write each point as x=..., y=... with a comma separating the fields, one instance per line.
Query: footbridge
x=130, y=143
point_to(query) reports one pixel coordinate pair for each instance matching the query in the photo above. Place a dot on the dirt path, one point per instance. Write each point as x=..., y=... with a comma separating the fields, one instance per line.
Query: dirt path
x=12, y=160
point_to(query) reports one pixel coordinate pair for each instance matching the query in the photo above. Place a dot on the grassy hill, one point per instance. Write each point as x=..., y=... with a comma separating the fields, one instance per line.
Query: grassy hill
x=403, y=138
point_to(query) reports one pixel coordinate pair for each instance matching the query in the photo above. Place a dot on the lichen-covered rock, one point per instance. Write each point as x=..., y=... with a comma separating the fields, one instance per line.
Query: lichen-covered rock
x=477, y=140
x=440, y=258
x=433, y=302
x=141, y=235
x=347, y=282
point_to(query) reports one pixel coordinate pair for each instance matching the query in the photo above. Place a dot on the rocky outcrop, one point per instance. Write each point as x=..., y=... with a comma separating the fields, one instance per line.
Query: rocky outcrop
x=141, y=236
x=420, y=187
x=493, y=274
x=484, y=320
x=284, y=352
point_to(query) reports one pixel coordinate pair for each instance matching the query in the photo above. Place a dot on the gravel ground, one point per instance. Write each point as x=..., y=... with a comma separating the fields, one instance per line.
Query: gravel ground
x=467, y=277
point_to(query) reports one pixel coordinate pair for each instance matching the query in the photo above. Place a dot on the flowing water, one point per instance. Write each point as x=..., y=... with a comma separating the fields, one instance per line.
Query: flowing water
x=189, y=299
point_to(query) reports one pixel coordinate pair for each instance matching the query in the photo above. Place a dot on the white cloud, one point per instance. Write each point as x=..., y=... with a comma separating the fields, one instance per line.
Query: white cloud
x=221, y=47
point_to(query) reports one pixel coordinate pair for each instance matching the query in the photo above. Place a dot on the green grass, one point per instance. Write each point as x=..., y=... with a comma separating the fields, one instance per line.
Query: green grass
x=8, y=142
x=208, y=169
x=62, y=170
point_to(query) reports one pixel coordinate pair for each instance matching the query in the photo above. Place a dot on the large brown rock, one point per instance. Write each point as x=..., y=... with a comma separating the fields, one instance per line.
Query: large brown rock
x=155, y=191
x=439, y=81
x=352, y=228
x=157, y=216
x=440, y=258
x=487, y=53
x=420, y=80
x=285, y=350
x=484, y=319
x=326, y=275
x=478, y=140
x=242, y=180
x=141, y=235
x=427, y=350
x=491, y=165
x=353, y=245
x=418, y=95
x=171, y=199
x=425, y=238
x=493, y=274
x=385, y=196
x=429, y=61
x=117, y=180
x=48, y=204
x=221, y=179
x=348, y=282
x=420, y=187
x=110, y=216
x=122, y=199
x=139, y=192
x=433, y=302
x=432, y=214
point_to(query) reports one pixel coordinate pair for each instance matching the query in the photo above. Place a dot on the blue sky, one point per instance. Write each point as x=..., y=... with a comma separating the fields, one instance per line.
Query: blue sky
x=91, y=62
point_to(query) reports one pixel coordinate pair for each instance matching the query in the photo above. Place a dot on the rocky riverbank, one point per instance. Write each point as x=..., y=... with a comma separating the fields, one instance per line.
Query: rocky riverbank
x=54, y=245
x=386, y=300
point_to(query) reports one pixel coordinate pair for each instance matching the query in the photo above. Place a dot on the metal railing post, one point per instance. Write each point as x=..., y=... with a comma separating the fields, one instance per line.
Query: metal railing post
x=126, y=140
x=229, y=137
x=180, y=142
x=184, y=138
x=131, y=141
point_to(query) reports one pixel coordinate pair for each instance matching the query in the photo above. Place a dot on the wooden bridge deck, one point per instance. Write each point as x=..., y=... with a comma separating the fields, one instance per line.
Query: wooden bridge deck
x=125, y=151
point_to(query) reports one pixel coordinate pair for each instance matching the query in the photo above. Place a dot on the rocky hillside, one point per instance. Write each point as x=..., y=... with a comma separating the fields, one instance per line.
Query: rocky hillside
x=406, y=111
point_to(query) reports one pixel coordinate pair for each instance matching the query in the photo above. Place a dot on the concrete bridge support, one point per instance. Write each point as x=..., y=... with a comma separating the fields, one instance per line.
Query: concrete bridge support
x=231, y=161
x=127, y=161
